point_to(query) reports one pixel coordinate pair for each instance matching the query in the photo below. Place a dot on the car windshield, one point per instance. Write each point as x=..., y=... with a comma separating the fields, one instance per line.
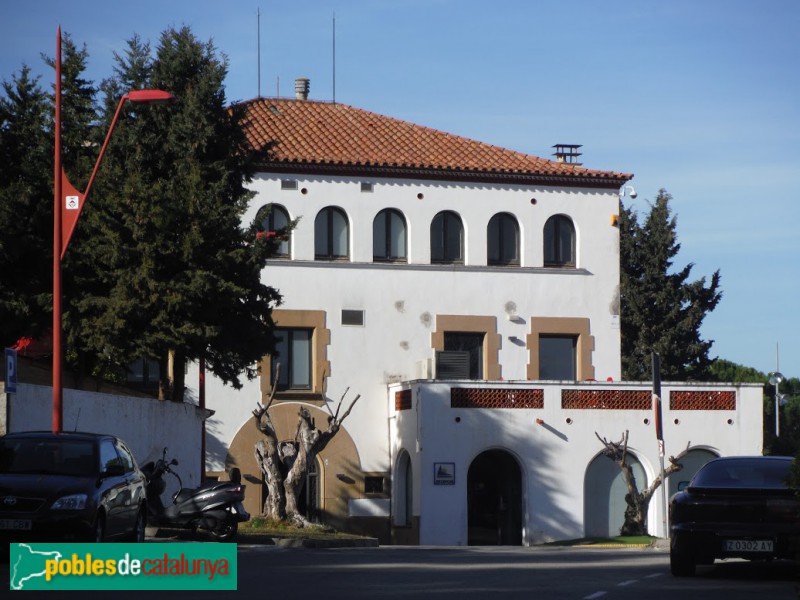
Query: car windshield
x=743, y=473
x=47, y=456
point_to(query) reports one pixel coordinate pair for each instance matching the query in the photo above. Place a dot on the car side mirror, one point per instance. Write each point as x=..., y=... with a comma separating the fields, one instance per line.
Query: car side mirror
x=682, y=485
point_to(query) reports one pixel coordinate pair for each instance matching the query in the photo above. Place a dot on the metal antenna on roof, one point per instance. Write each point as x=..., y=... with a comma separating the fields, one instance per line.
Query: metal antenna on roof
x=334, y=58
x=259, y=50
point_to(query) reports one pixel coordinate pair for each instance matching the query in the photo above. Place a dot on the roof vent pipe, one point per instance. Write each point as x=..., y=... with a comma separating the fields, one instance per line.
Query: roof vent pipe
x=301, y=86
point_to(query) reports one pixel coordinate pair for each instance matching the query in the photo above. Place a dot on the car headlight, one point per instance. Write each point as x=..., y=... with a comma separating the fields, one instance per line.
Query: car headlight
x=73, y=502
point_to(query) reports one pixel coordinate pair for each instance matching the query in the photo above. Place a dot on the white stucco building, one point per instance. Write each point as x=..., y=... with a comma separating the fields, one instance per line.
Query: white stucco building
x=447, y=281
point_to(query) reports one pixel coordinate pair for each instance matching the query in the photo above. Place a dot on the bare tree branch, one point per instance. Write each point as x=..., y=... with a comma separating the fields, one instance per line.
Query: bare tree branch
x=347, y=412
x=338, y=406
x=637, y=502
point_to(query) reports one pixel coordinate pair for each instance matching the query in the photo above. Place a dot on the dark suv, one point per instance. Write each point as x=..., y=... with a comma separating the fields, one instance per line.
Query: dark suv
x=69, y=487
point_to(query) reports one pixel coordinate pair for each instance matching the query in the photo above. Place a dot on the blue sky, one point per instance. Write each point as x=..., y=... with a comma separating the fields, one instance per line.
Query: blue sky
x=701, y=98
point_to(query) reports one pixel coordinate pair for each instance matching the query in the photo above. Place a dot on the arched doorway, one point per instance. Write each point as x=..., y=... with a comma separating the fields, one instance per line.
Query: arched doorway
x=604, y=492
x=403, y=497
x=691, y=461
x=494, y=500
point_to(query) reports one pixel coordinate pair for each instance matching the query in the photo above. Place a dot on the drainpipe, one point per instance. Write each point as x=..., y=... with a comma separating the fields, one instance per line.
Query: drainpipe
x=201, y=395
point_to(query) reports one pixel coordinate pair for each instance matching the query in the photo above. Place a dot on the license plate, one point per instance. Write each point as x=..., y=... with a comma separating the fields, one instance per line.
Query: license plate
x=15, y=524
x=748, y=545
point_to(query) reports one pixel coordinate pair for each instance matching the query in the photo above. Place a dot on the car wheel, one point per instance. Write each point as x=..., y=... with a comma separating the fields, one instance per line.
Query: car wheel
x=100, y=528
x=681, y=564
x=139, y=528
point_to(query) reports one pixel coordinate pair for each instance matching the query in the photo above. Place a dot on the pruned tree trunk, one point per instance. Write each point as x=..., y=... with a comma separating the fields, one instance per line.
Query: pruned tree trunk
x=285, y=464
x=268, y=458
x=637, y=503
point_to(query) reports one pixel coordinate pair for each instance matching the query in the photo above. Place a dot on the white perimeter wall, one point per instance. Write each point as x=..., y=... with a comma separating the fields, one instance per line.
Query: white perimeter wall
x=146, y=425
x=553, y=456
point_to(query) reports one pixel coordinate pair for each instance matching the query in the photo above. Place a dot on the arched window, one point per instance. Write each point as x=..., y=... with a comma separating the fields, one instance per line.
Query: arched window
x=447, y=238
x=389, y=238
x=274, y=218
x=559, y=242
x=331, y=234
x=503, y=240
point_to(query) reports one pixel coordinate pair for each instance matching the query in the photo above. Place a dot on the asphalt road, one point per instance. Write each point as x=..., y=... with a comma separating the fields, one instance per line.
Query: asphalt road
x=390, y=572
x=507, y=573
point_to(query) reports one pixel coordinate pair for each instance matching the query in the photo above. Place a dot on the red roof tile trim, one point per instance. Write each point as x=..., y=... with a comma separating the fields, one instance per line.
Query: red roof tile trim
x=325, y=137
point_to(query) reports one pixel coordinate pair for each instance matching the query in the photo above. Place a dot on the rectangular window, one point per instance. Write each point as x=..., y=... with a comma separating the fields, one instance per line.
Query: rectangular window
x=462, y=357
x=373, y=485
x=293, y=352
x=557, y=357
x=288, y=184
x=353, y=317
x=366, y=187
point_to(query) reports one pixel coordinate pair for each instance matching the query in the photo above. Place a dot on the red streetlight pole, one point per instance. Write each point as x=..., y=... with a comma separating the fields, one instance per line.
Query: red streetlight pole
x=67, y=205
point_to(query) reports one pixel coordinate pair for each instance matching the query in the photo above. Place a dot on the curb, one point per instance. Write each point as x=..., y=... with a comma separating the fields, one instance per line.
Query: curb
x=312, y=543
x=300, y=542
x=656, y=544
x=156, y=534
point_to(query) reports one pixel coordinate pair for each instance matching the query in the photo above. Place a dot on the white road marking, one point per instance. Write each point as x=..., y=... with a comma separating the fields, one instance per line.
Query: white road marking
x=595, y=595
x=653, y=576
x=624, y=583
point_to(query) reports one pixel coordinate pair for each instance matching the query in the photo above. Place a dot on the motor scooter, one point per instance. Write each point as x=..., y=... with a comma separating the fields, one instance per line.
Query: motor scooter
x=215, y=506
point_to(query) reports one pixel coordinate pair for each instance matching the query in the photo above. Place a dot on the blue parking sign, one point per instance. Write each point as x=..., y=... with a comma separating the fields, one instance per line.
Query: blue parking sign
x=11, y=371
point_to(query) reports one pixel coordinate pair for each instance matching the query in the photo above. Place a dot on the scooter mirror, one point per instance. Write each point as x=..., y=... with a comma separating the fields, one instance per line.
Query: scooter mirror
x=236, y=475
x=174, y=461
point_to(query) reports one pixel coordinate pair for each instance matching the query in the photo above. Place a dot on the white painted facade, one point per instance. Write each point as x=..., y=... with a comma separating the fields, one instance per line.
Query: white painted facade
x=404, y=305
x=401, y=301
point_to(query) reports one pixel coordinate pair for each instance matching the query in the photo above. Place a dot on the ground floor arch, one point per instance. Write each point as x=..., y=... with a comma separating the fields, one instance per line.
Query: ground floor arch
x=494, y=500
x=692, y=460
x=403, y=491
x=604, y=492
x=333, y=480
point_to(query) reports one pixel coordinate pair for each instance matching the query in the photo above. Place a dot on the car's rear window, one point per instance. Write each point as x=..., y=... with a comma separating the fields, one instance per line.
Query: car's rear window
x=743, y=473
x=47, y=456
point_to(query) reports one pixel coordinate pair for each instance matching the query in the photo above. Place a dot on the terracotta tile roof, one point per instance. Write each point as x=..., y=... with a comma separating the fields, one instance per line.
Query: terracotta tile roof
x=322, y=136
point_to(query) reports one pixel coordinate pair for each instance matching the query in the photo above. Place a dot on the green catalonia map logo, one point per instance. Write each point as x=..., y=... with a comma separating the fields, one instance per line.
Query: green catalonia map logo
x=157, y=566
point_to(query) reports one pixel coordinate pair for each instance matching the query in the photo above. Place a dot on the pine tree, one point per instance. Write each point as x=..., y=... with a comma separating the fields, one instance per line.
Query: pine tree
x=180, y=277
x=662, y=310
x=26, y=209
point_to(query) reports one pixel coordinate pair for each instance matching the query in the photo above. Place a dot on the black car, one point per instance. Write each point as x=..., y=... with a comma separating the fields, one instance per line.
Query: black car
x=69, y=487
x=737, y=506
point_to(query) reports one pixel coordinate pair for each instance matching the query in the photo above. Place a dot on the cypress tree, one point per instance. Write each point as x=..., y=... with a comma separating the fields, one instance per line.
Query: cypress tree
x=662, y=310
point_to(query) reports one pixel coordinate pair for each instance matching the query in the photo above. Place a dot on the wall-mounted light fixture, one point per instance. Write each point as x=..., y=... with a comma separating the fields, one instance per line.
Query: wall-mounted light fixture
x=628, y=190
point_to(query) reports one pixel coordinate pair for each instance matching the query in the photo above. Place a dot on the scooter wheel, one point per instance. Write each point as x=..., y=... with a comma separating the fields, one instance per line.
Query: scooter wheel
x=226, y=530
